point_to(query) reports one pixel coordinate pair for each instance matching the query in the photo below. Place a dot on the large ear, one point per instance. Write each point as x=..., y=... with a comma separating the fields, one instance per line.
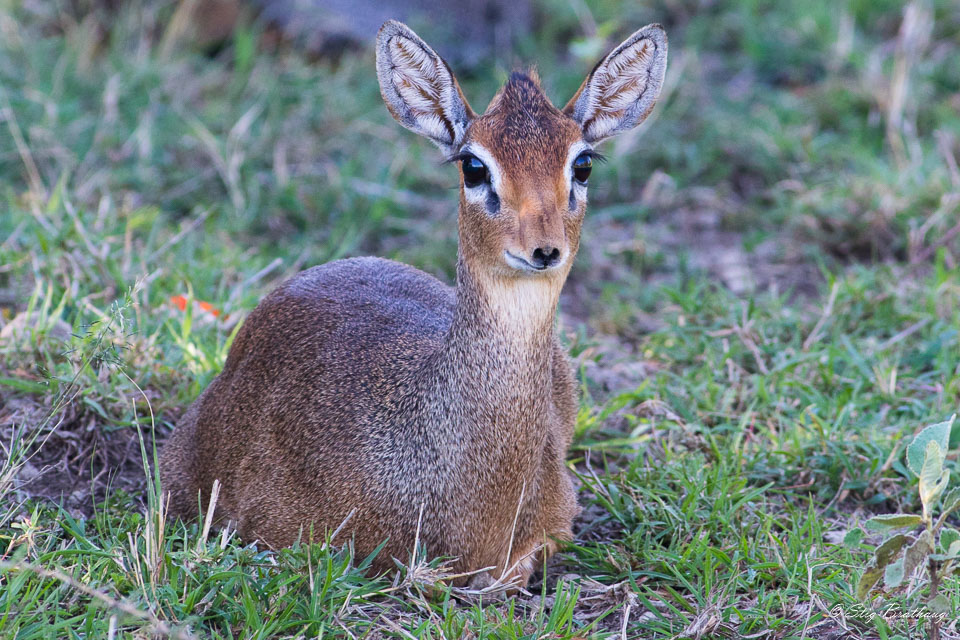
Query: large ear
x=419, y=88
x=621, y=90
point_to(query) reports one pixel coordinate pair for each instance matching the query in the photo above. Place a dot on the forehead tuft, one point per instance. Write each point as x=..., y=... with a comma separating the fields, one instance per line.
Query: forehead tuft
x=523, y=91
x=521, y=124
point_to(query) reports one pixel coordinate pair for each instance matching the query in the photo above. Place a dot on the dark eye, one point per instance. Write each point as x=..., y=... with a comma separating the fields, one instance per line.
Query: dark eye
x=474, y=172
x=581, y=167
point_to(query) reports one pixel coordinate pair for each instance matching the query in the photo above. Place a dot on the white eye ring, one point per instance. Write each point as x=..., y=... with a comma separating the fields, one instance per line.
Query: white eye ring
x=573, y=153
x=483, y=155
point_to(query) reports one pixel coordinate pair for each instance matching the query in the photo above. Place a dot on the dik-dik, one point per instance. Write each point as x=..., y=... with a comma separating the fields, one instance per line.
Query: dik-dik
x=367, y=387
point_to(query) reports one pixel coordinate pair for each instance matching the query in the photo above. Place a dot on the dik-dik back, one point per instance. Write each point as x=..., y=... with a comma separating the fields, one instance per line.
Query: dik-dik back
x=368, y=393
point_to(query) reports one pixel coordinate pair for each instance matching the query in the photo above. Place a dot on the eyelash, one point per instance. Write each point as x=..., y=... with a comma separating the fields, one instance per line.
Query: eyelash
x=595, y=155
x=459, y=157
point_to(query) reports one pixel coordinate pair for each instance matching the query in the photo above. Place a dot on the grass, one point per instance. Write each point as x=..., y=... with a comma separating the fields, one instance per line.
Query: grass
x=765, y=309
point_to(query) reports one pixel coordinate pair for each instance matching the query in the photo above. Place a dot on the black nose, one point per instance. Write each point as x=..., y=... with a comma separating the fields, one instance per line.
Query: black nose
x=544, y=257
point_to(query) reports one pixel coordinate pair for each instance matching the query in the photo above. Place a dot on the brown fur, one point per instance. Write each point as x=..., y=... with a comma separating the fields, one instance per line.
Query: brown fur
x=367, y=386
x=531, y=138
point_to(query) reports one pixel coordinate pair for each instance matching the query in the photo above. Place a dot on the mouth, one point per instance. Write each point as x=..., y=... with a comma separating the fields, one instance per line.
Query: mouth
x=521, y=264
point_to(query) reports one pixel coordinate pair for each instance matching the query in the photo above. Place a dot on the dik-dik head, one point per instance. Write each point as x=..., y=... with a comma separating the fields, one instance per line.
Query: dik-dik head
x=524, y=164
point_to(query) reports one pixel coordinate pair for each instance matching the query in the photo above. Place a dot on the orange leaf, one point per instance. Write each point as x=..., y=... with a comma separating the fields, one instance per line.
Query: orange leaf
x=180, y=302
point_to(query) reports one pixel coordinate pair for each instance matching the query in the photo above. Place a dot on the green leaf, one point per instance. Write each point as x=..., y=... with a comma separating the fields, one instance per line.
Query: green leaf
x=950, y=553
x=890, y=549
x=917, y=552
x=950, y=501
x=947, y=537
x=939, y=604
x=893, y=575
x=869, y=578
x=933, y=479
x=853, y=537
x=939, y=433
x=892, y=521
x=28, y=386
x=883, y=556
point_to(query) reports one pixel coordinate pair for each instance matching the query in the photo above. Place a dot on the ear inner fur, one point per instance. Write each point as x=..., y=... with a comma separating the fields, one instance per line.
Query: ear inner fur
x=623, y=88
x=419, y=88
